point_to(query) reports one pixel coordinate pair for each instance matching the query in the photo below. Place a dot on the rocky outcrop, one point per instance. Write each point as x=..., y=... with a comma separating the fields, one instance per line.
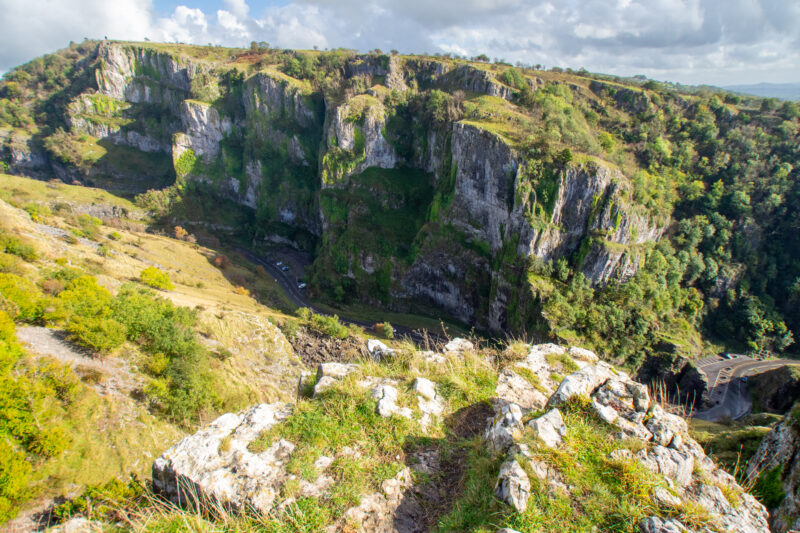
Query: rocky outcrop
x=355, y=140
x=778, y=460
x=776, y=390
x=215, y=463
x=203, y=129
x=665, y=448
x=142, y=75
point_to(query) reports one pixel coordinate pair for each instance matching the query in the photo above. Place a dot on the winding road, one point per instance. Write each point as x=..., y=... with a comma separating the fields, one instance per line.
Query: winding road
x=727, y=388
x=298, y=297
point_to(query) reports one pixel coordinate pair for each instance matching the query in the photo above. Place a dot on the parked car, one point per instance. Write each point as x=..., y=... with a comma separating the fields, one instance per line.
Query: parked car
x=279, y=263
x=726, y=355
x=285, y=268
x=301, y=286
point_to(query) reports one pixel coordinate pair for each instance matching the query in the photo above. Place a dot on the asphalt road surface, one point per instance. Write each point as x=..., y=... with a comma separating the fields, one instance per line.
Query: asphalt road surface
x=288, y=283
x=727, y=388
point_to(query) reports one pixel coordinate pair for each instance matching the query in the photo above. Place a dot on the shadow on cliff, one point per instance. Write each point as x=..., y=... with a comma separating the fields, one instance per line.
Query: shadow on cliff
x=443, y=464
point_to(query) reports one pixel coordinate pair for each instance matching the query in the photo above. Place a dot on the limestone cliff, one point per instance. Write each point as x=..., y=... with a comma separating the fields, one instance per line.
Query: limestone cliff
x=776, y=465
x=403, y=200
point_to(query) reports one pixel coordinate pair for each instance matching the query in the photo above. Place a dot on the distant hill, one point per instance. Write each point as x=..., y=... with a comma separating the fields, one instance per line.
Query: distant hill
x=784, y=91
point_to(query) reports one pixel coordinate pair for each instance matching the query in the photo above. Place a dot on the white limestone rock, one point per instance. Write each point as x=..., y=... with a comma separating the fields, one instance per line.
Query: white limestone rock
x=550, y=428
x=513, y=485
x=215, y=463
x=505, y=428
x=458, y=345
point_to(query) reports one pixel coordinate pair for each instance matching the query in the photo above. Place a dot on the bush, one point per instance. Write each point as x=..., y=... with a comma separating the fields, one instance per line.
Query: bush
x=99, y=334
x=158, y=279
x=25, y=298
x=14, y=471
x=769, y=487
x=14, y=246
x=385, y=329
x=10, y=264
x=329, y=325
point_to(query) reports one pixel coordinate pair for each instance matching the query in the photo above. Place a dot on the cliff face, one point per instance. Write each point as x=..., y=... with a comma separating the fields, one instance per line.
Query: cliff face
x=776, y=465
x=409, y=208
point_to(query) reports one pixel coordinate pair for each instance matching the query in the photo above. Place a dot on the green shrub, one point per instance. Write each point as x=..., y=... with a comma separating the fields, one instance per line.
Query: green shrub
x=158, y=279
x=99, y=334
x=769, y=487
x=14, y=471
x=329, y=325
x=86, y=298
x=24, y=295
x=13, y=245
x=37, y=211
x=183, y=387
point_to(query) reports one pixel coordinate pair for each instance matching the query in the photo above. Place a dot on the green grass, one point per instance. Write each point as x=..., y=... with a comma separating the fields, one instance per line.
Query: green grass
x=606, y=494
x=342, y=418
x=18, y=191
x=731, y=444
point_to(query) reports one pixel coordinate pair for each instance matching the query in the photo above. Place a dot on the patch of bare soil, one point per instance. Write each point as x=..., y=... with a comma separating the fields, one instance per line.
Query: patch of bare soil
x=314, y=348
x=108, y=376
x=444, y=464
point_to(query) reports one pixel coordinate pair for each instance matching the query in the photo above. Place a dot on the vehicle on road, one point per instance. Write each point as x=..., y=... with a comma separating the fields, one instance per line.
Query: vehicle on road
x=726, y=355
x=279, y=263
x=301, y=286
x=285, y=268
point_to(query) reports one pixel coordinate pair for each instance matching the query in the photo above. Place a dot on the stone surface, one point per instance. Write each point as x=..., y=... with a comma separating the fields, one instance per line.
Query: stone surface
x=550, y=428
x=77, y=524
x=387, y=402
x=458, y=345
x=377, y=349
x=655, y=524
x=425, y=388
x=780, y=448
x=504, y=428
x=513, y=388
x=215, y=463
x=582, y=383
x=513, y=486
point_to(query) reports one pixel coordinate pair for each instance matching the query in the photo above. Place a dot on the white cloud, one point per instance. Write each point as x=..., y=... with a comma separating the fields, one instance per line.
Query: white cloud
x=713, y=41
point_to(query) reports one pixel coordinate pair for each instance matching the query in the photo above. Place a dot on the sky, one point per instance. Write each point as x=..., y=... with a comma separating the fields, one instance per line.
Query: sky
x=718, y=42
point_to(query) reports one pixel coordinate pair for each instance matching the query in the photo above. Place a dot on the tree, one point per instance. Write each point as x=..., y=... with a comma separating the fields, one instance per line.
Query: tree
x=253, y=46
x=483, y=58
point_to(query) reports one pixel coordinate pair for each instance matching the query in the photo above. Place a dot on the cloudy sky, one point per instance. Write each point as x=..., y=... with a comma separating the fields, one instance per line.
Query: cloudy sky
x=690, y=41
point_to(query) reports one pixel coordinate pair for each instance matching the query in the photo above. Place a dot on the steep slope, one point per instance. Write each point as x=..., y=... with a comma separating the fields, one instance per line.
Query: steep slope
x=377, y=449
x=491, y=193
x=774, y=468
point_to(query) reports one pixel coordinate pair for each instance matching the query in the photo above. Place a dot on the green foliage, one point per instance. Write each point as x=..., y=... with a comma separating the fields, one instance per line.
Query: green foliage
x=15, y=246
x=31, y=397
x=182, y=385
x=14, y=471
x=185, y=163
x=20, y=298
x=156, y=278
x=514, y=78
x=325, y=324
x=769, y=487
x=101, y=335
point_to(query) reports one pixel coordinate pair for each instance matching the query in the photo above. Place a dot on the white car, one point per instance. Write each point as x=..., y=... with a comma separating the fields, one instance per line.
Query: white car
x=301, y=286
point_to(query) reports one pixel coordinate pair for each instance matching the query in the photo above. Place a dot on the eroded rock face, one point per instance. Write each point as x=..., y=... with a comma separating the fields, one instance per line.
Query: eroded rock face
x=779, y=450
x=216, y=465
x=667, y=450
x=513, y=485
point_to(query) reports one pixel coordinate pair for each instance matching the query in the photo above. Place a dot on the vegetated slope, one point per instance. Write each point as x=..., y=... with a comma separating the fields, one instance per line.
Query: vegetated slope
x=408, y=443
x=511, y=199
x=146, y=337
